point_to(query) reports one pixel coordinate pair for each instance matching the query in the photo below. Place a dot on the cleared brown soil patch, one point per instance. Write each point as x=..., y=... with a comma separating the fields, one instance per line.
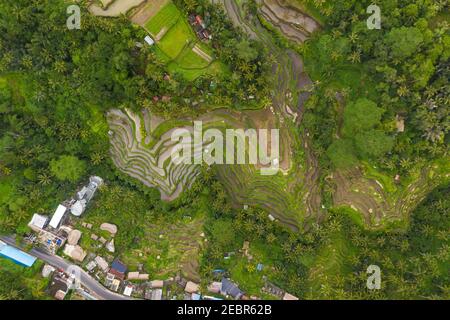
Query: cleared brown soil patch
x=116, y=8
x=148, y=11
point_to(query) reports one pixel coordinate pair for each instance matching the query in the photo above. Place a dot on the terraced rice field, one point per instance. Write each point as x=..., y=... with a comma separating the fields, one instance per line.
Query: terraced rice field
x=114, y=8
x=380, y=201
x=149, y=164
x=170, y=248
x=294, y=24
x=141, y=147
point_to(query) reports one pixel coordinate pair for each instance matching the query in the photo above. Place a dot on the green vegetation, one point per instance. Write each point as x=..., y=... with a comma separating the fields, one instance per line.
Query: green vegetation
x=359, y=190
x=164, y=19
x=175, y=45
x=67, y=168
x=176, y=39
x=21, y=283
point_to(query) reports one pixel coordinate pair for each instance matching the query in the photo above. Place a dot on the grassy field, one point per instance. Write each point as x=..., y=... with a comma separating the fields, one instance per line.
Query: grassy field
x=165, y=18
x=191, y=59
x=176, y=42
x=176, y=39
x=214, y=68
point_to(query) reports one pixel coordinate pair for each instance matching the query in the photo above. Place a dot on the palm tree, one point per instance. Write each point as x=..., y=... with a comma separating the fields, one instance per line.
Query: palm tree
x=336, y=33
x=335, y=56
x=403, y=91
x=96, y=158
x=6, y=171
x=244, y=67
x=355, y=57
x=190, y=5
x=44, y=179
x=353, y=37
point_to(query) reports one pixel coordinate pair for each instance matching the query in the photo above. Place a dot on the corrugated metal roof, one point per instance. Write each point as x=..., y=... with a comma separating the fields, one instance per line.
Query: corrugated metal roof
x=17, y=255
x=230, y=288
x=118, y=266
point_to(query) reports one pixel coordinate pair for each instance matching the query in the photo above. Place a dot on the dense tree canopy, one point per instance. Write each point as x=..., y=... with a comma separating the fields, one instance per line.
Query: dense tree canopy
x=68, y=168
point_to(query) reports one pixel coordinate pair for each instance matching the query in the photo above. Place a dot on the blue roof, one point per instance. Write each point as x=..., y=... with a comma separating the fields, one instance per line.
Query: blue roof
x=118, y=266
x=17, y=256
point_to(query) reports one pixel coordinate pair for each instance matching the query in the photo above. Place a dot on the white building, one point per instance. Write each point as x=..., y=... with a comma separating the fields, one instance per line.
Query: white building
x=128, y=290
x=101, y=263
x=149, y=40
x=57, y=216
x=85, y=195
x=38, y=222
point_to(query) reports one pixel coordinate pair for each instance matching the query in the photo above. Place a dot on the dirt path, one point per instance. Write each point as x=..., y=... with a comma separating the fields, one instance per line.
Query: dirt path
x=202, y=54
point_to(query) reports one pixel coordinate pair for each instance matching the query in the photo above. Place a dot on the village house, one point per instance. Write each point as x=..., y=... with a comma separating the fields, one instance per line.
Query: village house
x=230, y=289
x=156, y=284
x=149, y=40
x=199, y=27
x=38, y=222
x=47, y=270
x=101, y=263
x=110, y=246
x=91, y=266
x=109, y=279
x=52, y=234
x=59, y=286
x=128, y=290
x=288, y=296
x=215, y=287
x=118, y=269
x=191, y=287
x=273, y=289
x=156, y=294
x=58, y=217
x=115, y=285
x=137, y=276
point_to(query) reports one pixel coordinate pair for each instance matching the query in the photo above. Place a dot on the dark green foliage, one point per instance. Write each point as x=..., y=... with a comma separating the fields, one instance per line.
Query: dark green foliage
x=342, y=153
x=360, y=116
x=404, y=41
x=373, y=143
x=402, y=68
x=68, y=168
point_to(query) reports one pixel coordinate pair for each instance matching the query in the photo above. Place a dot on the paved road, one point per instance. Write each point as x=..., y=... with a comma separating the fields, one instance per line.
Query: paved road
x=95, y=288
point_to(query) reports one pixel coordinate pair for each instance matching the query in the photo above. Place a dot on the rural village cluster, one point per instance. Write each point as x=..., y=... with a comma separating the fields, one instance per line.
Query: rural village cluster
x=57, y=235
